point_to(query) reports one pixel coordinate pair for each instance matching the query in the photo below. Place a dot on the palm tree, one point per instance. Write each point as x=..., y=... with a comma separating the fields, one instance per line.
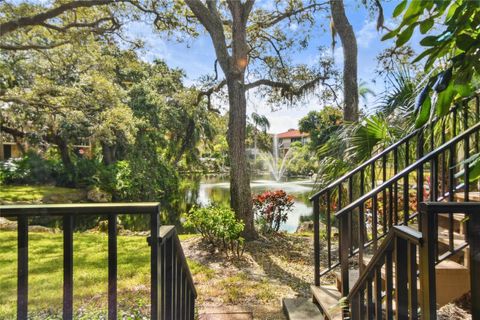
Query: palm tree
x=259, y=121
x=364, y=91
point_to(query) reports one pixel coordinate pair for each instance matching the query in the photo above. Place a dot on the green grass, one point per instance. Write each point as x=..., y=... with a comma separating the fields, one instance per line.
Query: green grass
x=90, y=271
x=34, y=193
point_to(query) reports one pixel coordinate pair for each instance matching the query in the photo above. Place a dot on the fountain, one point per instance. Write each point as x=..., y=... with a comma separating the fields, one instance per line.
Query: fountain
x=277, y=166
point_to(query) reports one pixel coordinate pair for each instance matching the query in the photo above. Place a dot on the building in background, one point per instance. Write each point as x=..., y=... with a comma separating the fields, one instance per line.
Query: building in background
x=285, y=139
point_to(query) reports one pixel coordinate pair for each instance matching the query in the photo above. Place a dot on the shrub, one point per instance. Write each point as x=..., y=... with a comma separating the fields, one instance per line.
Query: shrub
x=219, y=227
x=31, y=169
x=272, y=208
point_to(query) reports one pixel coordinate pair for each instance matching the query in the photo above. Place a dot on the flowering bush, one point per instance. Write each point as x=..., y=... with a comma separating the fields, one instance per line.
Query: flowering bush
x=272, y=208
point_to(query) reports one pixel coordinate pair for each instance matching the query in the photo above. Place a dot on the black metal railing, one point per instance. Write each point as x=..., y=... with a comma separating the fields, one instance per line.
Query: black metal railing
x=177, y=288
x=169, y=270
x=398, y=283
x=429, y=254
x=390, y=200
x=356, y=211
x=373, y=294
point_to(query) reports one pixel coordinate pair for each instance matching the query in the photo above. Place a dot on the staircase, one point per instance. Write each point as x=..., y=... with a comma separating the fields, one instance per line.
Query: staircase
x=382, y=233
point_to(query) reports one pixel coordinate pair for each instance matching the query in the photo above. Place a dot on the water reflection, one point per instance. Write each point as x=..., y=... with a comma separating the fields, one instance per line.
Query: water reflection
x=215, y=189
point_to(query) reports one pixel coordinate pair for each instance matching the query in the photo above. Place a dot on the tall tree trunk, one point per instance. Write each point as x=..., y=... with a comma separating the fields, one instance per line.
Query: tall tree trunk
x=107, y=154
x=233, y=59
x=349, y=45
x=240, y=192
x=64, y=154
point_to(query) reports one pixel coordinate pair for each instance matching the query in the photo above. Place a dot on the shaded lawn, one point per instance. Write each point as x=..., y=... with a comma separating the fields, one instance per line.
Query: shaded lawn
x=34, y=193
x=90, y=272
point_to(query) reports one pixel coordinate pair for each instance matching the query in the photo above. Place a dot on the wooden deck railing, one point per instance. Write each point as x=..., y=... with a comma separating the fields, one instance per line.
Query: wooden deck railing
x=172, y=291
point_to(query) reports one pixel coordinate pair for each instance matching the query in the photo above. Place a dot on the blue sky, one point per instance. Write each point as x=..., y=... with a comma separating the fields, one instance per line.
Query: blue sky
x=196, y=57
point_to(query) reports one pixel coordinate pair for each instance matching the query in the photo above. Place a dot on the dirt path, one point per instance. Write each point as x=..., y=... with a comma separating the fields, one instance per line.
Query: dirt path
x=271, y=269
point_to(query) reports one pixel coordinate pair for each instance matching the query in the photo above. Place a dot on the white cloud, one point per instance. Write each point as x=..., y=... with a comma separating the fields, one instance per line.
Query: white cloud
x=285, y=118
x=367, y=34
x=338, y=54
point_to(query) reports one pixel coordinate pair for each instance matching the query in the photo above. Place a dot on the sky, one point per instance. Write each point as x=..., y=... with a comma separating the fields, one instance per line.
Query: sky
x=196, y=57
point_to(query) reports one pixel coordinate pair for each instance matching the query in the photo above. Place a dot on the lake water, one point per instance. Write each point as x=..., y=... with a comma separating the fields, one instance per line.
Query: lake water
x=216, y=189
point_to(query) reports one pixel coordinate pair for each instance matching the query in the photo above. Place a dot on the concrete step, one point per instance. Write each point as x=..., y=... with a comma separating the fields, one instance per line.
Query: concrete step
x=328, y=299
x=225, y=313
x=301, y=309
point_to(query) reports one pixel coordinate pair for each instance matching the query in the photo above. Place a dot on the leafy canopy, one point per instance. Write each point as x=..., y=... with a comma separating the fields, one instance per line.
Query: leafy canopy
x=454, y=49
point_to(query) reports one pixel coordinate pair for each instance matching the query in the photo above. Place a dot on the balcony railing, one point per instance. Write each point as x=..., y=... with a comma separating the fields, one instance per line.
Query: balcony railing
x=172, y=291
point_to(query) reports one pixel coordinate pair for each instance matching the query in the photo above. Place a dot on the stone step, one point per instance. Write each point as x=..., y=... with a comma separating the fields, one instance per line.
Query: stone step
x=328, y=298
x=301, y=309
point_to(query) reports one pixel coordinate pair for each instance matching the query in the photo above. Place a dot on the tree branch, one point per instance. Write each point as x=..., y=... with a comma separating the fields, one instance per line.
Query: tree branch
x=287, y=88
x=287, y=14
x=214, y=26
x=14, y=47
x=94, y=25
x=39, y=18
x=12, y=131
x=208, y=93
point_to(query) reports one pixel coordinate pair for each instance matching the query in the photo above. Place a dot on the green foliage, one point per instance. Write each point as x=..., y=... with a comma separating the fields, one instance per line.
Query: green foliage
x=31, y=169
x=454, y=49
x=369, y=136
x=321, y=124
x=303, y=161
x=218, y=226
x=272, y=209
x=399, y=98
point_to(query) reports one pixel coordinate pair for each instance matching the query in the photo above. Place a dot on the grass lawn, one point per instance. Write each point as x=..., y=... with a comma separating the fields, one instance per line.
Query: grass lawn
x=37, y=193
x=270, y=269
x=90, y=272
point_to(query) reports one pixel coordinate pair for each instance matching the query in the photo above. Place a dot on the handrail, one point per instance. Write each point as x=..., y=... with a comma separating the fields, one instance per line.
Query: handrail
x=365, y=164
x=167, y=232
x=407, y=170
x=79, y=208
x=449, y=207
x=404, y=232
x=386, y=150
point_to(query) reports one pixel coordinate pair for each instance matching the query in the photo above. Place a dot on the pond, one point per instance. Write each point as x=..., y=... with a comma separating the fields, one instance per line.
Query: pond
x=216, y=189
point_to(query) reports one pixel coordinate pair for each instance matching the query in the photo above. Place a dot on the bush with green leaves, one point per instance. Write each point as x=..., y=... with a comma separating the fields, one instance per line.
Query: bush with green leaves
x=219, y=227
x=31, y=169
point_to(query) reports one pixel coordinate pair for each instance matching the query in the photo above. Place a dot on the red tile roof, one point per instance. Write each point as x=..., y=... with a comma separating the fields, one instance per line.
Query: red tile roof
x=292, y=133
